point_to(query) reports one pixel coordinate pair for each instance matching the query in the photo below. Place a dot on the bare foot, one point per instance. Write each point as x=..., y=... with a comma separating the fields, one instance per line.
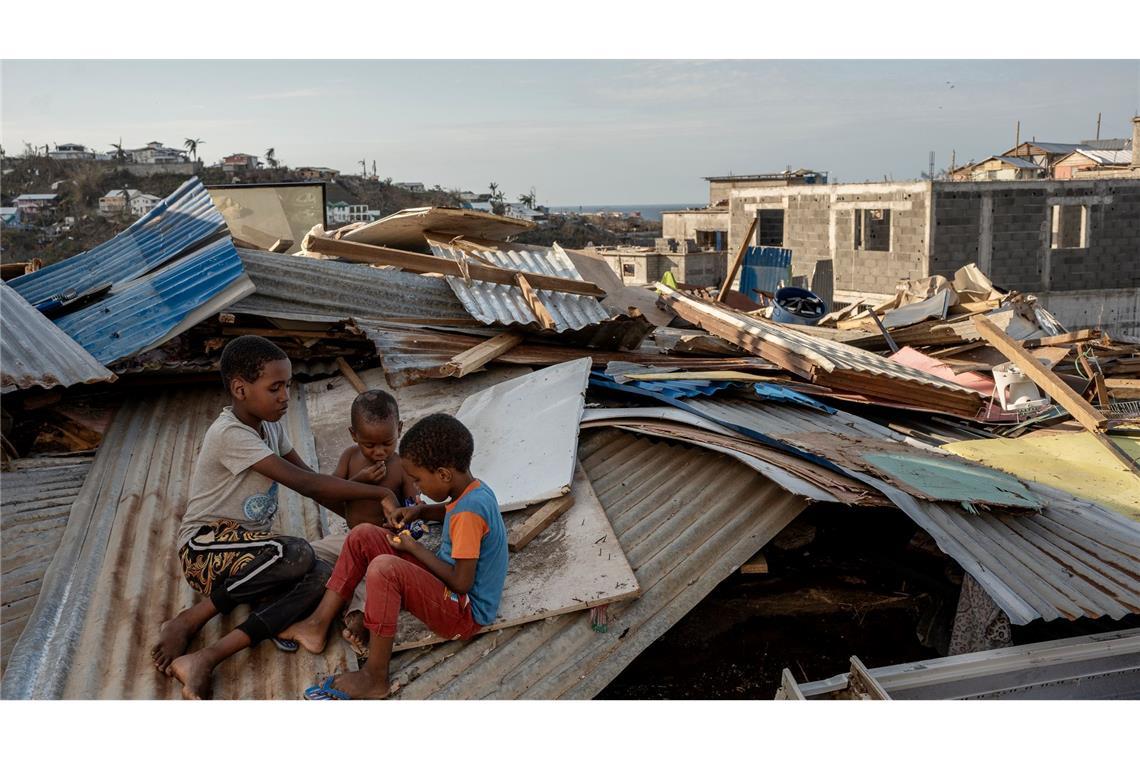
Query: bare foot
x=194, y=671
x=173, y=637
x=309, y=633
x=355, y=633
x=361, y=684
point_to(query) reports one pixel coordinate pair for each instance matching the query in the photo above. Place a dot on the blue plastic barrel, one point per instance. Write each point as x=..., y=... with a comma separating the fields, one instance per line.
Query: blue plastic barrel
x=796, y=306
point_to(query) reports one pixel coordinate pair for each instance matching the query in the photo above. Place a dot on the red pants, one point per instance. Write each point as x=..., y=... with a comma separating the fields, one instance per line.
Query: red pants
x=394, y=581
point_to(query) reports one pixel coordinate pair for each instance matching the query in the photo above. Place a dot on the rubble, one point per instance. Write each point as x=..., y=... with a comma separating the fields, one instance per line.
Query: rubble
x=646, y=443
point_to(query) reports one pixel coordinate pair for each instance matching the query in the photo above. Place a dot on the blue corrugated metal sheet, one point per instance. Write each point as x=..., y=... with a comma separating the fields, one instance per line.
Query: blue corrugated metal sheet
x=151, y=309
x=33, y=351
x=777, y=392
x=764, y=268
x=184, y=220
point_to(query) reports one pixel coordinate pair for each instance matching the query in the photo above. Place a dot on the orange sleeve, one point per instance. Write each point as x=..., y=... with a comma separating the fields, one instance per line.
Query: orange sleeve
x=467, y=531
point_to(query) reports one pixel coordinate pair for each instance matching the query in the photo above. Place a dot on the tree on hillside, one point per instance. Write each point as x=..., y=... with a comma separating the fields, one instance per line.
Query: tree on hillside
x=85, y=186
x=528, y=199
x=120, y=154
x=271, y=158
x=192, y=144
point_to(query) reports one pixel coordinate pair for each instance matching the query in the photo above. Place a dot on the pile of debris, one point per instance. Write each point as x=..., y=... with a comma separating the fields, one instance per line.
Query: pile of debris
x=644, y=443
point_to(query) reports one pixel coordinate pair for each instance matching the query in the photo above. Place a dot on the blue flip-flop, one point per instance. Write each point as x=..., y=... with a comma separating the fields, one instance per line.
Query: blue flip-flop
x=286, y=645
x=325, y=692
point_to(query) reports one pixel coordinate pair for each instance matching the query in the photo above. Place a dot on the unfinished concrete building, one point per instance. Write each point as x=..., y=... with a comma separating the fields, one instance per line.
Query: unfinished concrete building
x=1076, y=244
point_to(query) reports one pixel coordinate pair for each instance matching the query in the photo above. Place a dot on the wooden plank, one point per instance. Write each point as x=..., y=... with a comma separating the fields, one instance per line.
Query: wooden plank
x=1092, y=419
x=1101, y=390
x=523, y=534
x=1063, y=338
x=475, y=358
x=350, y=375
x=272, y=332
x=737, y=261
x=532, y=300
x=758, y=565
x=862, y=681
x=424, y=264
x=281, y=246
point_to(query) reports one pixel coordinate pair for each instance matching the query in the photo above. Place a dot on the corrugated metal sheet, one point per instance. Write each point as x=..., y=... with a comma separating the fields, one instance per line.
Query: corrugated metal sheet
x=1070, y=559
x=38, y=494
x=1100, y=666
x=116, y=576
x=334, y=288
x=34, y=352
x=493, y=303
x=181, y=222
x=686, y=519
x=153, y=308
x=1108, y=157
x=765, y=268
x=829, y=355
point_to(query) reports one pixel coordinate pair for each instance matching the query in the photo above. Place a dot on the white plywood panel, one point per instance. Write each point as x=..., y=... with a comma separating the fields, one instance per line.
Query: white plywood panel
x=526, y=433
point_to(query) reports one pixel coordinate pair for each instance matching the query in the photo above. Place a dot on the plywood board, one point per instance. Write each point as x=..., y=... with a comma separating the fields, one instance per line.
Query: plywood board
x=574, y=564
x=526, y=433
x=405, y=229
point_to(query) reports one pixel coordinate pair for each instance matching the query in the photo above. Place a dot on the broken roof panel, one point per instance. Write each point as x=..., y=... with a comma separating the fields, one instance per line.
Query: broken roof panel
x=181, y=222
x=151, y=309
x=300, y=284
x=405, y=229
x=34, y=352
x=574, y=316
x=686, y=519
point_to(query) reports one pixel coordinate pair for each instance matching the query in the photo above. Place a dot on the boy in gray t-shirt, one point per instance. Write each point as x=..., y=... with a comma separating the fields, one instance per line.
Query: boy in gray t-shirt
x=228, y=551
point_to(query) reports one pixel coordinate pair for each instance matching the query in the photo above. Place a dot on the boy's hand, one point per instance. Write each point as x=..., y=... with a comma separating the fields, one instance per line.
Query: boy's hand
x=374, y=473
x=402, y=542
x=402, y=516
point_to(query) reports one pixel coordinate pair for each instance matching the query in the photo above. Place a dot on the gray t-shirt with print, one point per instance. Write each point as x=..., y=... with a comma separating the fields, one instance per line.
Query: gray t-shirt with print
x=223, y=487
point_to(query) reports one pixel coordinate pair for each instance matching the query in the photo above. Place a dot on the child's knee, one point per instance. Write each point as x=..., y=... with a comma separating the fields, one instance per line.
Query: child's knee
x=383, y=568
x=365, y=534
x=297, y=557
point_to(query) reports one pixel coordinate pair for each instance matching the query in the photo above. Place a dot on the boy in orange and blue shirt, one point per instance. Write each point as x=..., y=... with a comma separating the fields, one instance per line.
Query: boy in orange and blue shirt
x=455, y=592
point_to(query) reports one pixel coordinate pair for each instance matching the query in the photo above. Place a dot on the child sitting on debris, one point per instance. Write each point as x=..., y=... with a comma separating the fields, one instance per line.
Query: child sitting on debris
x=375, y=427
x=455, y=592
x=226, y=547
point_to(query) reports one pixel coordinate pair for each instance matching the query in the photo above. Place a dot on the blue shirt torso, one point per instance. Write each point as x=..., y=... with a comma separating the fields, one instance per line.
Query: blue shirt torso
x=491, y=567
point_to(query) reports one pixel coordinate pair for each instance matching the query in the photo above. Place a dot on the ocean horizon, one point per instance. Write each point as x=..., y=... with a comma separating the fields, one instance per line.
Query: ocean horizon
x=648, y=210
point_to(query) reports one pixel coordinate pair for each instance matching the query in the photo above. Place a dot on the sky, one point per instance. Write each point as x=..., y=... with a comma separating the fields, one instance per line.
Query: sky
x=579, y=132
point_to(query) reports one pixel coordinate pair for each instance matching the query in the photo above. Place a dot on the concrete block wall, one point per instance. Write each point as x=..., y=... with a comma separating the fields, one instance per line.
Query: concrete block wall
x=879, y=271
x=1006, y=228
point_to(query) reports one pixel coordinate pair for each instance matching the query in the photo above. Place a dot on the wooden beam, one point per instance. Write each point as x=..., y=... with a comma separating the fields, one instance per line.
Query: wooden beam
x=425, y=264
x=273, y=332
x=538, y=522
x=475, y=358
x=532, y=300
x=1092, y=419
x=758, y=565
x=1063, y=338
x=281, y=246
x=737, y=261
x=350, y=375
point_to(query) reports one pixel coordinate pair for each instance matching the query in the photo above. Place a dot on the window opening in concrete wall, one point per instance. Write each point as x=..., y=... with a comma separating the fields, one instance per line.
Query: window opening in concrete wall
x=1070, y=227
x=710, y=240
x=873, y=229
x=770, y=227
x=628, y=270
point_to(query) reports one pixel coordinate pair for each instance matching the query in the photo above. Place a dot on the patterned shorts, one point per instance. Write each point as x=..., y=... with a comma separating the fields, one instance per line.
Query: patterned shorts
x=204, y=568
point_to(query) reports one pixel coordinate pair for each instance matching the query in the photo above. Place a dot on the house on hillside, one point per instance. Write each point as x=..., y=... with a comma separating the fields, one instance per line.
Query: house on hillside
x=117, y=202
x=9, y=216
x=143, y=203
x=412, y=187
x=240, y=162
x=1043, y=154
x=156, y=153
x=522, y=211
x=72, y=152
x=32, y=205
x=1085, y=159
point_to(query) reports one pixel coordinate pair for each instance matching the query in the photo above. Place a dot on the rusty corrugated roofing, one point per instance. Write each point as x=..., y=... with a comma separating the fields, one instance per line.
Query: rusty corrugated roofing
x=34, y=352
x=38, y=493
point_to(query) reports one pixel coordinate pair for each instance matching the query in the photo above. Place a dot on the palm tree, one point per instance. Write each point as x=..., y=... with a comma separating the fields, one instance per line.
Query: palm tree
x=527, y=199
x=192, y=144
x=494, y=188
x=120, y=154
x=271, y=158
